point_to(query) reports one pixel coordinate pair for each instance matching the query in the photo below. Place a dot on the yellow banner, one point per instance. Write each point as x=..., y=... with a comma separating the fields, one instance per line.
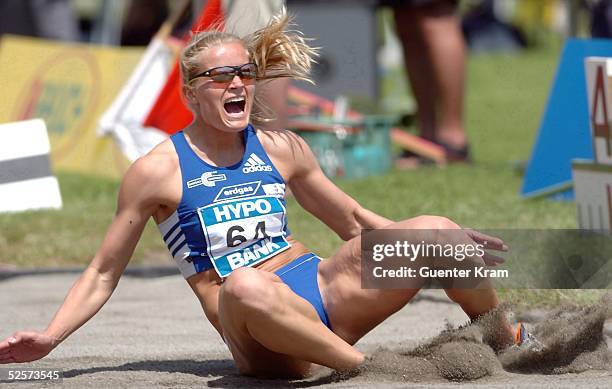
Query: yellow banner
x=69, y=86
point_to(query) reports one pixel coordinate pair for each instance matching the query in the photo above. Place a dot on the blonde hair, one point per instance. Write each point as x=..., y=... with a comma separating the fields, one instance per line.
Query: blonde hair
x=278, y=52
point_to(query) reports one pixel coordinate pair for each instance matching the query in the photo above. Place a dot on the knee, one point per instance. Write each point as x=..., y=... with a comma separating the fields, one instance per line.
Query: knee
x=429, y=222
x=430, y=229
x=248, y=289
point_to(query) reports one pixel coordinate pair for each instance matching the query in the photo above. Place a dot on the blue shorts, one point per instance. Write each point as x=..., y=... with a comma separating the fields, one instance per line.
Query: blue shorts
x=301, y=276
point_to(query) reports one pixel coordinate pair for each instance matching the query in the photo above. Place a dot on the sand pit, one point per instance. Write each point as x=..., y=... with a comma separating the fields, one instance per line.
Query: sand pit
x=573, y=339
x=153, y=335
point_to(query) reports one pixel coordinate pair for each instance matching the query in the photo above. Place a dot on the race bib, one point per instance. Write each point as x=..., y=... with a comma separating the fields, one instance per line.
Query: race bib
x=243, y=232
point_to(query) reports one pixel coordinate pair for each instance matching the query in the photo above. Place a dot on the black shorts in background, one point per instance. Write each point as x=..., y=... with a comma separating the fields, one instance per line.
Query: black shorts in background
x=414, y=3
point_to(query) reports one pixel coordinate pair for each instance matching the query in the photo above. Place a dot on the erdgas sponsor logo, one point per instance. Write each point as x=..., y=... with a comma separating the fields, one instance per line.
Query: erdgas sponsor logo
x=237, y=191
x=255, y=164
x=207, y=179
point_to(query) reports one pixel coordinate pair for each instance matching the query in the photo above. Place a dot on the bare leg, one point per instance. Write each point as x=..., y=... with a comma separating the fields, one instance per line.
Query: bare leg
x=443, y=36
x=354, y=311
x=420, y=74
x=274, y=94
x=273, y=332
x=474, y=302
x=435, y=58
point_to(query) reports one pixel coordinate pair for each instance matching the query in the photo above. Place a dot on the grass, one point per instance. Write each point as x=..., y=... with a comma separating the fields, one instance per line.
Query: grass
x=506, y=95
x=69, y=236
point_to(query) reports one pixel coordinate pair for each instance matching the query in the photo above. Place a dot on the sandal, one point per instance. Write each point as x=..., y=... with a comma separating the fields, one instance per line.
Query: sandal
x=410, y=160
x=456, y=154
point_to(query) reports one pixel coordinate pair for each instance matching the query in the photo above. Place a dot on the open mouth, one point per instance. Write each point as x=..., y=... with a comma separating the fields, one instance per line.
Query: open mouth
x=235, y=105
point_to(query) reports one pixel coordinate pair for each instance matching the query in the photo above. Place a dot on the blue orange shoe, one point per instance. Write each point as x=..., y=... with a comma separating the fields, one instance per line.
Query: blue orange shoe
x=525, y=340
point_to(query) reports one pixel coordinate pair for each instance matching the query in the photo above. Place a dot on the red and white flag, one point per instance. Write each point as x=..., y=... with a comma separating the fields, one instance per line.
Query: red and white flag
x=123, y=119
x=150, y=105
x=169, y=113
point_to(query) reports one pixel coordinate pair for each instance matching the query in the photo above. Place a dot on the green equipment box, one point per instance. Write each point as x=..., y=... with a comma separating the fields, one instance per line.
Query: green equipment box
x=351, y=148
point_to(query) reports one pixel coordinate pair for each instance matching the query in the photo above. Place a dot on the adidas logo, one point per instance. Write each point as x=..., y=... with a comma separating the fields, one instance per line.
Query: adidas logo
x=255, y=164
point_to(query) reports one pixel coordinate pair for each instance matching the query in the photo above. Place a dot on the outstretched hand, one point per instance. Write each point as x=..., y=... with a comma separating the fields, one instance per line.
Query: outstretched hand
x=25, y=346
x=491, y=243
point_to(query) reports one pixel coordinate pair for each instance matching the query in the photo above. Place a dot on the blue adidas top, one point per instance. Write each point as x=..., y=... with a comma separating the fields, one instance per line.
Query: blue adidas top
x=228, y=217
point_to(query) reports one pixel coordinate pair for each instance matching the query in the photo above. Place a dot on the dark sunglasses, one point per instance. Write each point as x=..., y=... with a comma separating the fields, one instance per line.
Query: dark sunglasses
x=248, y=71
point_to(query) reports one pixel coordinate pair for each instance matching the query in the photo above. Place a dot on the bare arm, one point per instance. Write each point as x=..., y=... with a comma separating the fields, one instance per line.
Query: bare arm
x=99, y=280
x=319, y=196
x=89, y=293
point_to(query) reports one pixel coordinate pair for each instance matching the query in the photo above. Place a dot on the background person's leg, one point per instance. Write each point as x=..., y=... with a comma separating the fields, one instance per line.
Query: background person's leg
x=274, y=94
x=434, y=51
x=418, y=65
x=442, y=33
x=273, y=332
x=243, y=17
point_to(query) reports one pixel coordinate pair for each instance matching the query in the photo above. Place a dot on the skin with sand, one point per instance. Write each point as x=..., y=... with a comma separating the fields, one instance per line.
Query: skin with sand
x=572, y=336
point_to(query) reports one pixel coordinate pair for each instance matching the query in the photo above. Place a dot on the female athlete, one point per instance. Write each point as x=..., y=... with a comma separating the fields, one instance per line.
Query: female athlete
x=217, y=192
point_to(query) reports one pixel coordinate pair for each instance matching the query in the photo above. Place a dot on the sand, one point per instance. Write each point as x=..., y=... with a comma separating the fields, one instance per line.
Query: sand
x=153, y=334
x=572, y=337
